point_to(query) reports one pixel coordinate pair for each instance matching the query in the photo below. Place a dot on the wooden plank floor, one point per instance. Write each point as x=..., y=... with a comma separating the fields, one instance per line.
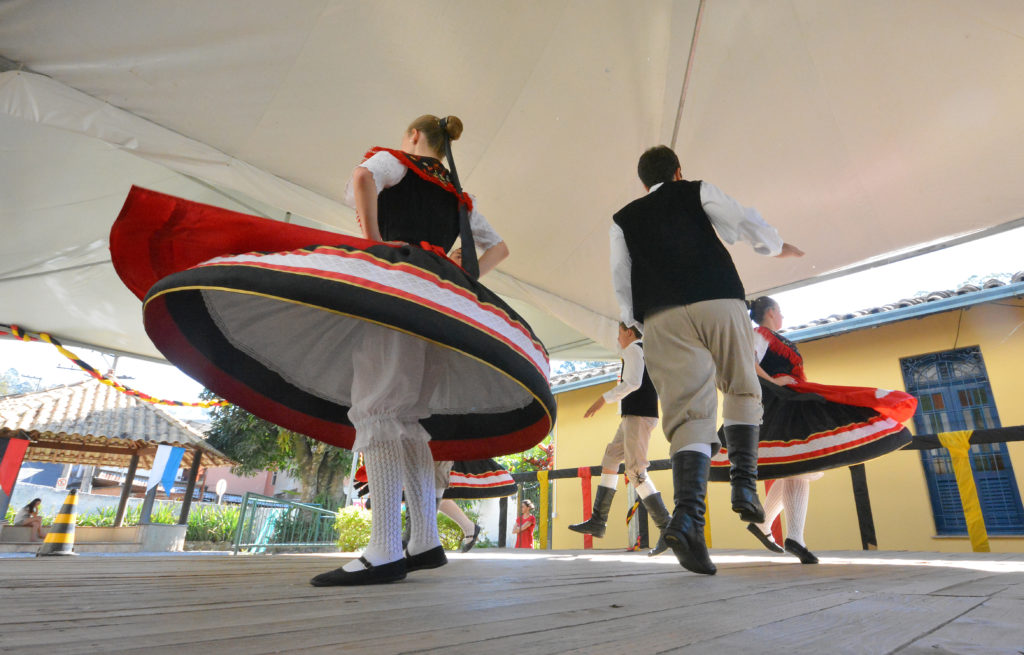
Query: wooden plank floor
x=495, y=601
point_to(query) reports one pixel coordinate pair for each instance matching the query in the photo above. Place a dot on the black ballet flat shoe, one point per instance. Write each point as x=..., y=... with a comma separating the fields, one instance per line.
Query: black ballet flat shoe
x=428, y=559
x=806, y=556
x=390, y=572
x=469, y=542
x=766, y=539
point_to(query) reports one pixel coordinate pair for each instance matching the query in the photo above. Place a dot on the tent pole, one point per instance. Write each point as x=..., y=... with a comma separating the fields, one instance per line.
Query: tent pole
x=689, y=69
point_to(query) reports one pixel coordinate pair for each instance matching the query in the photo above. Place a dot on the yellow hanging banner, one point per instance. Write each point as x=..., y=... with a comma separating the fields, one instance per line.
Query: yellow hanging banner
x=542, y=479
x=959, y=444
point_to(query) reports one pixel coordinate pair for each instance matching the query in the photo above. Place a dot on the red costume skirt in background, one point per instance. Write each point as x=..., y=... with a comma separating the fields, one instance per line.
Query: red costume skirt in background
x=810, y=427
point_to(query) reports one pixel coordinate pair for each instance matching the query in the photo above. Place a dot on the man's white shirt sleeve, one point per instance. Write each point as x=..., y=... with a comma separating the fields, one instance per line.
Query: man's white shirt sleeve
x=734, y=222
x=632, y=374
x=622, y=276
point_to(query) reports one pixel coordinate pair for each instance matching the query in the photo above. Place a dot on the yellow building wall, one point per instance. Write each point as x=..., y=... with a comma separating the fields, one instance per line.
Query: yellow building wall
x=896, y=483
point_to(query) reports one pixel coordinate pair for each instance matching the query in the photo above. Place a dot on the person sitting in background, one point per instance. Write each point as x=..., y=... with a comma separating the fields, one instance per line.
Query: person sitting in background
x=28, y=516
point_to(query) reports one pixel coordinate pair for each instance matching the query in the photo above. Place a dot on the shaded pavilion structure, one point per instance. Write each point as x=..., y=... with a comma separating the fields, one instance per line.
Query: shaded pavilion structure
x=94, y=424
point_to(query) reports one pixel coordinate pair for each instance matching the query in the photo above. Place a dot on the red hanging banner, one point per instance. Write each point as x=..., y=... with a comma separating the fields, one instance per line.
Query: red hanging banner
x=12, y=452
x=584, y=473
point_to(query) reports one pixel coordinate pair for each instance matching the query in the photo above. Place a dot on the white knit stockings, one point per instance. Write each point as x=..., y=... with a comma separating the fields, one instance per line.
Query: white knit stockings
x=797, y=493
x=791, y=495
x=384, y=473
x=420, y=495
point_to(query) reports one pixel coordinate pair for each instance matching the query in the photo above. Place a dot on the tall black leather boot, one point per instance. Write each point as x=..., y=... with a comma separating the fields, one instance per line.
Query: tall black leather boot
x=595, y=525
x=684, y=533
x=656, y=509
x=741, y=441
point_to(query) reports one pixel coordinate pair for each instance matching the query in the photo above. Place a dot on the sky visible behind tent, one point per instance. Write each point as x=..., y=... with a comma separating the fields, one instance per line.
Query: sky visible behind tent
x=994, y=256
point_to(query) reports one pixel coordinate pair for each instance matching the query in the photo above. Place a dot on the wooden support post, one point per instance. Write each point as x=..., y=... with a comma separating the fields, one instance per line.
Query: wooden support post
x=147, y=506
x=126, y=493
x=190, y=487
x=502, y=520
x=862, y=500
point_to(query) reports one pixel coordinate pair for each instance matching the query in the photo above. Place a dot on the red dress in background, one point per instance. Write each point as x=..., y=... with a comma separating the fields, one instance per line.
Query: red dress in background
x=524, y=538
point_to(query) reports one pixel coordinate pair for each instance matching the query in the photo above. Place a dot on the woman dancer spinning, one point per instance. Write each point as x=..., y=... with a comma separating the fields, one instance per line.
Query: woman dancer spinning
x=808, y=428
x=382, y=344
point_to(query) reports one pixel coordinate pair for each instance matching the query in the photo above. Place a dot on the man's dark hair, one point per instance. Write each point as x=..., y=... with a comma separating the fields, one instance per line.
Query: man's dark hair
x=656, y=165
x=635, y=331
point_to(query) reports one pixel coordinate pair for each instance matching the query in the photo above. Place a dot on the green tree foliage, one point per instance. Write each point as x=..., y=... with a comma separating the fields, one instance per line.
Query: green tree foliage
x=259, y=445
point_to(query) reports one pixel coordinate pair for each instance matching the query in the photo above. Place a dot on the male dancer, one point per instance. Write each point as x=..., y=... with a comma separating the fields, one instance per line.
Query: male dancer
x=639, y=408
x=673, y=275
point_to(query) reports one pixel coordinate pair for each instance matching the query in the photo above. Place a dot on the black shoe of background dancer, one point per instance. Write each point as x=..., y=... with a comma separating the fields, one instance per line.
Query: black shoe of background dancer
x=684, y=534
x=468, y=542
x=766, y=539
x=390, y=572
x=806, y=556
x=741, y=441
x=656, y=509
x=597, y=523
x=428, y=559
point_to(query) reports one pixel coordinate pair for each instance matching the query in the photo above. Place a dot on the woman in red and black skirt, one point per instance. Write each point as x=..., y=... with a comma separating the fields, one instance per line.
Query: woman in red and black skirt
x=381, y=344
x=809, y=428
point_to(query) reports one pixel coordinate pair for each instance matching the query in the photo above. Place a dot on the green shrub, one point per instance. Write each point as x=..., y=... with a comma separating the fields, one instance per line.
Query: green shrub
x=214, y=523
x=353, y=525
x=100, y=518
x=449, y=531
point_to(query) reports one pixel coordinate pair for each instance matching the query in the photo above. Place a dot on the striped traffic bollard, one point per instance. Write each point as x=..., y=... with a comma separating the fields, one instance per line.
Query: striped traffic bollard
x=60, y=540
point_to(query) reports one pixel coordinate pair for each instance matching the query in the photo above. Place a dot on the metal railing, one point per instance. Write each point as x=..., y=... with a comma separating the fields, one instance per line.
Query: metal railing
x=266, y=523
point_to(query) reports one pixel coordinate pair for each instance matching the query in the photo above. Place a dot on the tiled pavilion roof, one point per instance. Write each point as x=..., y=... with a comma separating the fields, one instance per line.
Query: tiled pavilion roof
x=92, y=423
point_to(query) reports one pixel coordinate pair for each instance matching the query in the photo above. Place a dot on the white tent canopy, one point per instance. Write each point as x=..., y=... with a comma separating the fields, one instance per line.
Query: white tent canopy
x=859, y=128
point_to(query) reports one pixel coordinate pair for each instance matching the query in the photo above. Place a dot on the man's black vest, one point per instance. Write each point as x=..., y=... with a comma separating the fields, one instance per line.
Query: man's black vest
x=677, y=258
x=643, y=401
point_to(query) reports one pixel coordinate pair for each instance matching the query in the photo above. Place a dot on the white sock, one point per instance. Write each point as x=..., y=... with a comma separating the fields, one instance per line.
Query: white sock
x=773, y=501
x=610, y=480
x=704, y=448
x=797, y=494
x=645, y=488
x=419, y=495
x=726, y=422
x=452, y=510
x=384, y=472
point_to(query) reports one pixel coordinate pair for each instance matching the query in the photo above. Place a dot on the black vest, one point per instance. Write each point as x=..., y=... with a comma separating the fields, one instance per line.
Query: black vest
x=677, y=258
x=643, y=401
x=775, y=363
x=416, y=210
